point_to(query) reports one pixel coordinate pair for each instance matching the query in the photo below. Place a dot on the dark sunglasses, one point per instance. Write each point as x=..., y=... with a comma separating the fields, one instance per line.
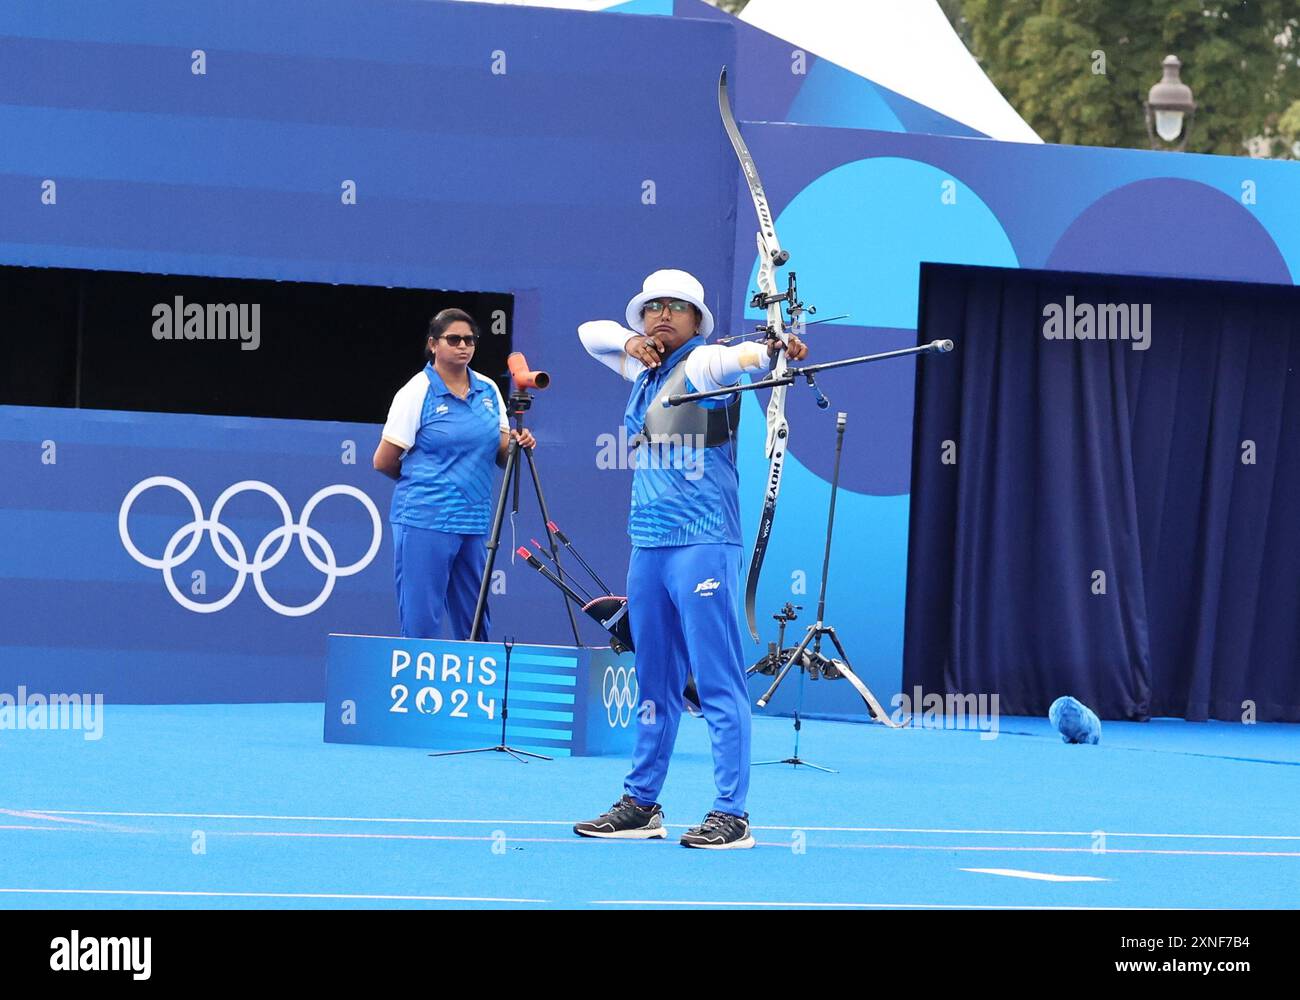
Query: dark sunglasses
x=456, y=339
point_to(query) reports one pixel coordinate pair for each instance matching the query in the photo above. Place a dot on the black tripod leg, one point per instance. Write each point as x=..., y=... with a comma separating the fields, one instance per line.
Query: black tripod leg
x=519, y=754
x=848, y=674
x=494, y=540
x=785, y=669
x=550, y=539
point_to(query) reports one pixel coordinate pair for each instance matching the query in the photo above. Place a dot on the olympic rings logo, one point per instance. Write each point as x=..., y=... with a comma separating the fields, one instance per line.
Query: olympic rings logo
x=619, y=689
x=238, y=561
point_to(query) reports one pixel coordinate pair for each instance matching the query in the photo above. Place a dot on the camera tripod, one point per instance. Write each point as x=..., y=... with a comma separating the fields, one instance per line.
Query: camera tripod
x=520, y=401
x=519, y=404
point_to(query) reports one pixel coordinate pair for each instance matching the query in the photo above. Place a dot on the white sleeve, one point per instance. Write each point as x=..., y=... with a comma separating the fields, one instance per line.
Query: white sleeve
x=501, y=403
x=715, y=366
x=403, y=421
x=604, y=340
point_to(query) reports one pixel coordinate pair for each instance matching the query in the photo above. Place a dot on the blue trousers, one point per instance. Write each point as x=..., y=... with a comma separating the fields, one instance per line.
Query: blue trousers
x=683, y=602
x=435, y=572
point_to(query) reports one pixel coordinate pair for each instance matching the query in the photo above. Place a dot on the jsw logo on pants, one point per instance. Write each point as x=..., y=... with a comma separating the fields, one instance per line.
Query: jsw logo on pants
x=705, y=588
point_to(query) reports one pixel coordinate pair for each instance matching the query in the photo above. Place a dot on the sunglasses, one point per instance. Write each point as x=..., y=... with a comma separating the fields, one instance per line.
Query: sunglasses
x=456, y=339
x=656, y=306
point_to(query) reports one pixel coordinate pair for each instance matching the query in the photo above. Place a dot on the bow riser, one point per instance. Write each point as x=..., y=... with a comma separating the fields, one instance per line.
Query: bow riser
x=776, y=425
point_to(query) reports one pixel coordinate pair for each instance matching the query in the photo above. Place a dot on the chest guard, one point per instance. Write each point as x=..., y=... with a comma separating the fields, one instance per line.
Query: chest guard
x=715, y=425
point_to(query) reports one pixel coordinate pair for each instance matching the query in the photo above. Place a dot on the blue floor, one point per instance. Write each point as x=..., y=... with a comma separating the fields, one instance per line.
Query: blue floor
x=245, y=806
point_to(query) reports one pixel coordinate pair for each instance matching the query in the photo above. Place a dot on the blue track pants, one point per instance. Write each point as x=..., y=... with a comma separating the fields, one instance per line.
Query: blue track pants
x=683, y=602
x=435, y=572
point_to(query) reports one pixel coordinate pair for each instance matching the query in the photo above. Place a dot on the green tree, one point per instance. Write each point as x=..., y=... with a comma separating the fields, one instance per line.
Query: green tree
x=1079, y=70
x=1288, y=128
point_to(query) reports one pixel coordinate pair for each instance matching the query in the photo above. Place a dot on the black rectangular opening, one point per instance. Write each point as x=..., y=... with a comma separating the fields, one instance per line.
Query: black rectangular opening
x=92, y=339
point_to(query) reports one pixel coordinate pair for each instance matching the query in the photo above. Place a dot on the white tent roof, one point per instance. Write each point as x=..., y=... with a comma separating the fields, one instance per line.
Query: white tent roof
x=905, y=45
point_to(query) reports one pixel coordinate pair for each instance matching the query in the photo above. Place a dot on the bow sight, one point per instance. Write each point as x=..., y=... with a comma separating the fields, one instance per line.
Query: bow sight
x=793, y=307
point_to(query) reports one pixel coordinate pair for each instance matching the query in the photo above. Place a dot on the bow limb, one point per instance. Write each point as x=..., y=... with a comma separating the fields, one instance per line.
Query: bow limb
x=771, y=256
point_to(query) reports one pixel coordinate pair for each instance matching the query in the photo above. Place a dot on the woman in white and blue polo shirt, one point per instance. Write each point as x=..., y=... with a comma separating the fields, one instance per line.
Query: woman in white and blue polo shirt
x=444, y=439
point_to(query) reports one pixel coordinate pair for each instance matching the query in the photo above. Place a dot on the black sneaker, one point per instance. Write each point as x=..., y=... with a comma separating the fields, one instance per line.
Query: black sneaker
x=720, y=832
x=625, y=821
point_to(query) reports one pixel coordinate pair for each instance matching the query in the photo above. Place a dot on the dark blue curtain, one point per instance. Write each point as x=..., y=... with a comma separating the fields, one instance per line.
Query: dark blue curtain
x=1093, y=519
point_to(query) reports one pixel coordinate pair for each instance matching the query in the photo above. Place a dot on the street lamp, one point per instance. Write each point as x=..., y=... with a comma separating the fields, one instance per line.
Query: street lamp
x=1170, y=109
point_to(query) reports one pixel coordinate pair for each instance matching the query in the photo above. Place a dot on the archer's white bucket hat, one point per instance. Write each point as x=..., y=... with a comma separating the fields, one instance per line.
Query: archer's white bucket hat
x=670, y=284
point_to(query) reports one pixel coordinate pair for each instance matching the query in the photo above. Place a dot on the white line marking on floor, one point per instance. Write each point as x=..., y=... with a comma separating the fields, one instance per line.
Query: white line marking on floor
x=1037, y=876
x=1039, y=833
x=995, y=848
x=395, y=836
x=46, y=829
x=52, y=818
x=271, y=895
x=848, y=906
x=959, y=831
x=316, y=819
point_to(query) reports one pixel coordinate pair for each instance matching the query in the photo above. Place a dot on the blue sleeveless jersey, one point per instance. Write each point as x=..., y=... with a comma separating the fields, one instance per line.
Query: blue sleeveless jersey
x=683, y=491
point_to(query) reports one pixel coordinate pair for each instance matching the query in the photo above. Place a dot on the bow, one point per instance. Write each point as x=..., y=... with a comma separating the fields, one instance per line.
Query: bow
x=770, y=256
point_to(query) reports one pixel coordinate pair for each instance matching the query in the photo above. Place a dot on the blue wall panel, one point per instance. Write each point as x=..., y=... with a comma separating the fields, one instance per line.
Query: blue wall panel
x=532, y=182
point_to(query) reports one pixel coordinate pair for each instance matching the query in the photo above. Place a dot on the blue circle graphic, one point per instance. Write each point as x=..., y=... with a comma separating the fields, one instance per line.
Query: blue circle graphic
x=857, y=236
